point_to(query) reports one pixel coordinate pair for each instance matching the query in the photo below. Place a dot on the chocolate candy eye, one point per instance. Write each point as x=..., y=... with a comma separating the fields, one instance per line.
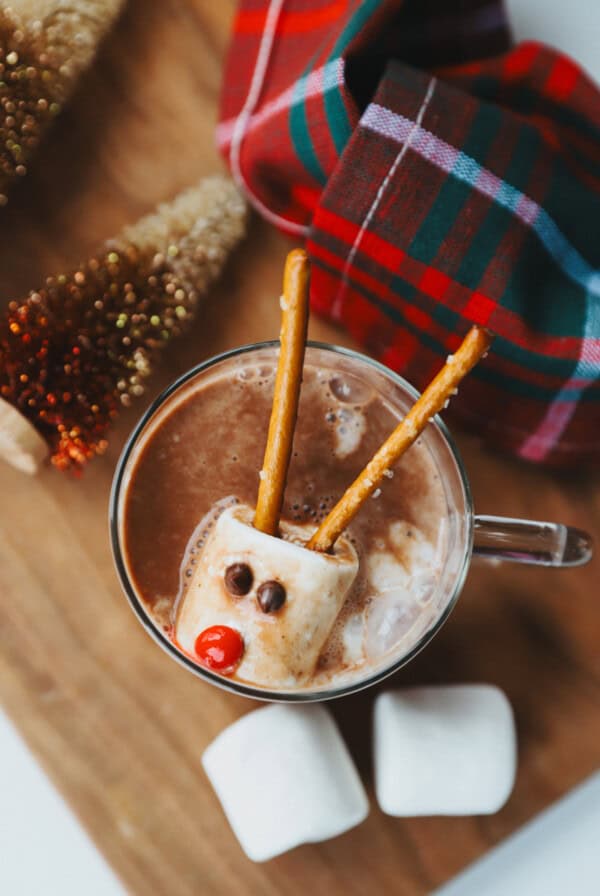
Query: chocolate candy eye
x=271, y=596
x=238, y=579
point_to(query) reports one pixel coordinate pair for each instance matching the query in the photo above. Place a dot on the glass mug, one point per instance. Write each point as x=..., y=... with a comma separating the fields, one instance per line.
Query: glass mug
x=497, y=538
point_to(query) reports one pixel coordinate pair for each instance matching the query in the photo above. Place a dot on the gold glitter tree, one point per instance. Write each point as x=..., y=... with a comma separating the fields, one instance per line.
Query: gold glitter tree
x=75, y=351
x=44, y=46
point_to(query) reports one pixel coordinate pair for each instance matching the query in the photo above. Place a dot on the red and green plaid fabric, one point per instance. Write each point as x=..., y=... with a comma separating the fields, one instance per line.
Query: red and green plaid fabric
x=440, y=178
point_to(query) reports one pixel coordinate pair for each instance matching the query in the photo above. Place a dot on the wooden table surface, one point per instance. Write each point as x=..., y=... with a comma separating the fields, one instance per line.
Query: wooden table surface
x=118, y=726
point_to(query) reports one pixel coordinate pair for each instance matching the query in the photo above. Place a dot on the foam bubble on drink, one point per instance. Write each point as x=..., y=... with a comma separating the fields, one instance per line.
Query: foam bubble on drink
x=255, y=375
x=350, y=426
x=162, y=613
x=399, y=617
x=403, y=581
x=349, y=421
x=352, y=639
x=385, y=571
x=348, y=389
x=390, y=619
x=411, y=543
x=313, y=510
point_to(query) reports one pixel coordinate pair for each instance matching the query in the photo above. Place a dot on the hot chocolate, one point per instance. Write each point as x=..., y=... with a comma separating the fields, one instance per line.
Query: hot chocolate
x=194, y=472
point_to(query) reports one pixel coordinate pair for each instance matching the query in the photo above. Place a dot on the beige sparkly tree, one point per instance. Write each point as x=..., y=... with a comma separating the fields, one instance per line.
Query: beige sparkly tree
x=78, y=349
x=44, y=47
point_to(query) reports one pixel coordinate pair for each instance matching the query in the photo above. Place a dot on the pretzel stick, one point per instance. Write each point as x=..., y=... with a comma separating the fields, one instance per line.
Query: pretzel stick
x=294, y=323
x=433, y=399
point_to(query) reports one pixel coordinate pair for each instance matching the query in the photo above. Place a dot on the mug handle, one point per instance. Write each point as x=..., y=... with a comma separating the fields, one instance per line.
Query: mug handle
x=528, y=541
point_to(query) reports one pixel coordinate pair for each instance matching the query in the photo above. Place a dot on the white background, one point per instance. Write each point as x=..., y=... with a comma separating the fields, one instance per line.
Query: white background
x=571, y=25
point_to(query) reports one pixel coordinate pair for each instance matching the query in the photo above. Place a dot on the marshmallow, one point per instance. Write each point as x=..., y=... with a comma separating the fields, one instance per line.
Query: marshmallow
x=284, y=777
x=281, y=648
x=444, y=750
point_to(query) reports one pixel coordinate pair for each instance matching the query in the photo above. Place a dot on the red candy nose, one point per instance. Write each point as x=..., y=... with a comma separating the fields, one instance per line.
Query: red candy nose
x=220, y=648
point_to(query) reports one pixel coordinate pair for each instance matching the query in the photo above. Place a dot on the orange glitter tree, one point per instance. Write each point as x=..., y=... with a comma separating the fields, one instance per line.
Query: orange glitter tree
x=78, y=349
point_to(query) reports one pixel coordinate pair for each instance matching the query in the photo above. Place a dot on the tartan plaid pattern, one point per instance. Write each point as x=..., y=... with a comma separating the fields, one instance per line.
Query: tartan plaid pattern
x=441, y=178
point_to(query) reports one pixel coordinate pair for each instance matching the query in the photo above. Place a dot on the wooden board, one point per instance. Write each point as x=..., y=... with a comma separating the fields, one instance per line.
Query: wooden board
x=117, y=725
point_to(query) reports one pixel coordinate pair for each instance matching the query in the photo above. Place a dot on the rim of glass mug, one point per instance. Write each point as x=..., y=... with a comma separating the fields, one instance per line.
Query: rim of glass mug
x=238, y=687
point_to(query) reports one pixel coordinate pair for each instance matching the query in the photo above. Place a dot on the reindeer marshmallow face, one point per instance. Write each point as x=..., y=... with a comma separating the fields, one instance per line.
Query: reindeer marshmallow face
x=277, y=598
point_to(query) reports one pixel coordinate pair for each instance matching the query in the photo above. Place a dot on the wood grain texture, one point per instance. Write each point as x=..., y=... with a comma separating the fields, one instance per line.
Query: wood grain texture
x=118, y=726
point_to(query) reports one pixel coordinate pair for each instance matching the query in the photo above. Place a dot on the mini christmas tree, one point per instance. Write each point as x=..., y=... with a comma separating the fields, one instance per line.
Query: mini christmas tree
x=44, y=47
x=78, y=349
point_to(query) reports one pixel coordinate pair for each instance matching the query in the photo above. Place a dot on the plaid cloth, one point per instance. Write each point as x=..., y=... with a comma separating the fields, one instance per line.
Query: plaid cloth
x=440, y=178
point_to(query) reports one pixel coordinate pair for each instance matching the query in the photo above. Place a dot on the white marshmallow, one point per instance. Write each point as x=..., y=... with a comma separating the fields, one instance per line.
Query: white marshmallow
x=284, y=777
x=444, y=750
x=280, y=649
